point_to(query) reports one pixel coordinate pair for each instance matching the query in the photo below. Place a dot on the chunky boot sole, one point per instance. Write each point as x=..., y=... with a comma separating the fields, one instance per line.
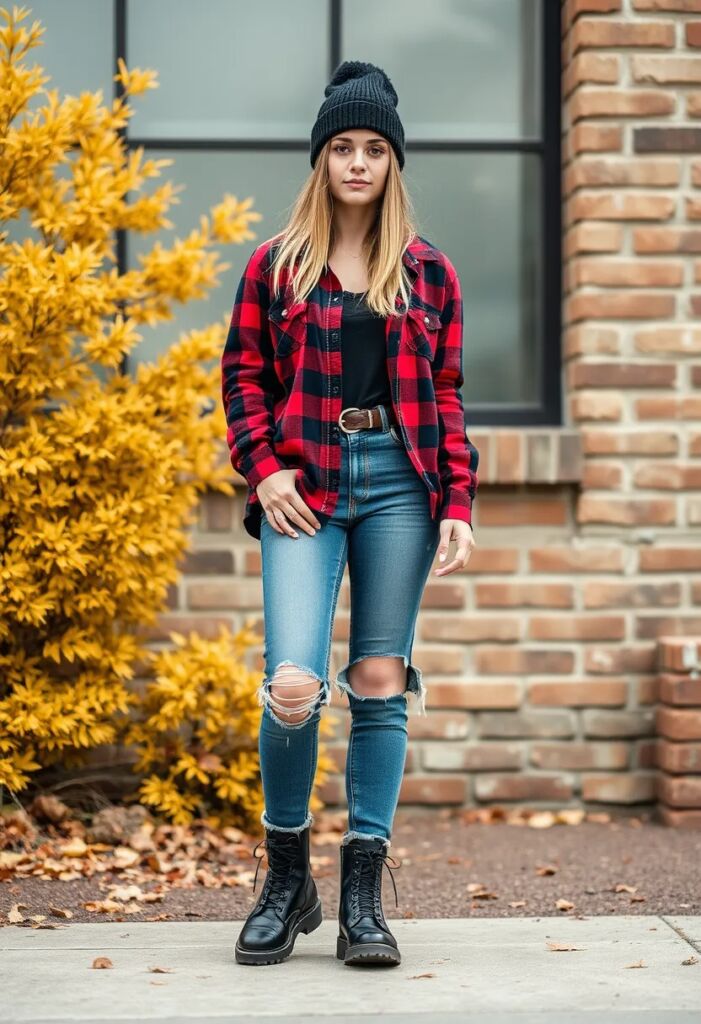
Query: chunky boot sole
x=367, y=953
x=307, y=923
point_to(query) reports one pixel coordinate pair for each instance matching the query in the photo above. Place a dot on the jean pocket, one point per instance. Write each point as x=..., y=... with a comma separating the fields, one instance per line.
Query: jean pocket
x=395, y=435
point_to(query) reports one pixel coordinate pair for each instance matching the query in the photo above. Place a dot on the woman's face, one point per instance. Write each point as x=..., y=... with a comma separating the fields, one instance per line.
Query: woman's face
x=359, y=154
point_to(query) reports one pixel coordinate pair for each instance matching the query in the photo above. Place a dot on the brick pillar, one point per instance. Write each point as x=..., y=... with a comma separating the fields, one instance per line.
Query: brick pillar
x=678, y=722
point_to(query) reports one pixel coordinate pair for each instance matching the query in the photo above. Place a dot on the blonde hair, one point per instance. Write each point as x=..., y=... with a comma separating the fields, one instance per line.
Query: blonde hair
x=309, y=238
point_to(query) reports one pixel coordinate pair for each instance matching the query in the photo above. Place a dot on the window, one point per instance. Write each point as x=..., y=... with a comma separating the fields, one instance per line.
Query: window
x=239, y=88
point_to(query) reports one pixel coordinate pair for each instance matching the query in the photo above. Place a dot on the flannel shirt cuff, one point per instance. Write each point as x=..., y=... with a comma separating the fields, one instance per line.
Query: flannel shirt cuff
x=457, y=505
x=261, y=463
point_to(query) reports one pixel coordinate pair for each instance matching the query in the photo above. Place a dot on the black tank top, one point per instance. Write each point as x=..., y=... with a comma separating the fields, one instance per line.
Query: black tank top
x=364, y=354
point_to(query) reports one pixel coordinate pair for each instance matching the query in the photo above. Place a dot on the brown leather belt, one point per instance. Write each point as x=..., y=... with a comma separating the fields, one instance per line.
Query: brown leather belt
x=353, y=419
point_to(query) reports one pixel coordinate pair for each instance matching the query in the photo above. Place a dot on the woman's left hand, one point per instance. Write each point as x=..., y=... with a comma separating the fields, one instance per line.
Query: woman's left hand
x=461, y=532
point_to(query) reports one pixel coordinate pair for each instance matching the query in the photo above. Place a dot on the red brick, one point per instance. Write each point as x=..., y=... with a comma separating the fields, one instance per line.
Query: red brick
x=574, y=756
x=678, y=819
x=592, y=172
x=569, y=559
x=604, y=594
x=668, y=239
x=621, y=658
x=667, y=408
x=628, y=273
x=615, y=305
x=604, y=32
x=679, y=653
x=654, y=626
x=598, y=406
x=662, y=476
x=494, y=560
x=619, y=789
x=590, y=67
x=588, y=103
x=680, y=791
x=433, y=789
x=676, y=724
x=468, y=629
x=680, y=340
x=576, y=627
x=595, y=138
x=667, y=140
x=679, y=758
x=670, y=559
x=477, y=757
x=666, y=70
x=606, y=476
x=626, y=512
x=679, y=689
x=591, y=237
x=520, y=661
x=620, y=206
x=448, y=725
x=693, y=33
x=512, y=510
x=468, y=696
x=591, y=339
x=519, y=595
x=636, y=442
x=522, y=787
x=622, y=375
x=574, y=693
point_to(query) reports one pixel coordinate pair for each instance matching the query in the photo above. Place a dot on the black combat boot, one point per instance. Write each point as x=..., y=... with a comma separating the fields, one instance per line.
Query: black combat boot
x=364, y=936
x=288, y=903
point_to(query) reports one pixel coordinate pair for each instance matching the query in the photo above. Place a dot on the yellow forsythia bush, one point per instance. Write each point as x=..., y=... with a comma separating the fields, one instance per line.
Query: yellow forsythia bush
x=101, y=470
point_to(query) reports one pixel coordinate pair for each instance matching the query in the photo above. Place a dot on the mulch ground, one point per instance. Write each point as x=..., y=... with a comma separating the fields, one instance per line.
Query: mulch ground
x=451, y=866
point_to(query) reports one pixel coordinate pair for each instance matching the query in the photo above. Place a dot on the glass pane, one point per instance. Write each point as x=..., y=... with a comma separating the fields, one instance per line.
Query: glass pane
x=229, y=69
x=77, y=47
x=483, y=211
x=271, y=182
x=463, y=69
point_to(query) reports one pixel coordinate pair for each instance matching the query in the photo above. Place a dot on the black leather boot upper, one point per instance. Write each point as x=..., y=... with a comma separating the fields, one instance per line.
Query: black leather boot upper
x=288, y=893
x=361, y=918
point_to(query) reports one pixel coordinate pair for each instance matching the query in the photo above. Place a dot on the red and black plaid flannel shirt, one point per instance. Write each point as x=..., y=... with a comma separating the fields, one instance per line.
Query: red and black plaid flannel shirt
x=281, y=384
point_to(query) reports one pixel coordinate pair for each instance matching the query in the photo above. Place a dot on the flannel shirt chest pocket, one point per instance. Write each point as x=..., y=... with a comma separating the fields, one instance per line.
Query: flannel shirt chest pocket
x=423, y=324
x=288, y=326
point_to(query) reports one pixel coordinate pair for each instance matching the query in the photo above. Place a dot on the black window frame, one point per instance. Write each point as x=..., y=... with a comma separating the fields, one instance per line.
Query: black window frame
x=548, y=410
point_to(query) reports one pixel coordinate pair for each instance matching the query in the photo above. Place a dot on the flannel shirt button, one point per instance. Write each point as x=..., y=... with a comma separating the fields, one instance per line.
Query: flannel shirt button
x=426, y=319
x=284, y=312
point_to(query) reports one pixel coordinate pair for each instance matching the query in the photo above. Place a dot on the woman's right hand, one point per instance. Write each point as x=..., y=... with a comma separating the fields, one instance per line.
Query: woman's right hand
x=281, y=501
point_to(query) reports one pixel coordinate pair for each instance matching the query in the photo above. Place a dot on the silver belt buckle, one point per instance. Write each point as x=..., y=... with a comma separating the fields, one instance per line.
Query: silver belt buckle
x=351, y=430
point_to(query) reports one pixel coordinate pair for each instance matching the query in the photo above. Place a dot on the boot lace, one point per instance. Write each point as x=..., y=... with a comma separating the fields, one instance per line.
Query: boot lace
x=365, y=870
x=276, y=886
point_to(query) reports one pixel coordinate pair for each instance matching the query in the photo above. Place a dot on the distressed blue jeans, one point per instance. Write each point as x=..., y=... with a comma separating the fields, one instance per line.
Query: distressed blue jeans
x=382, y=529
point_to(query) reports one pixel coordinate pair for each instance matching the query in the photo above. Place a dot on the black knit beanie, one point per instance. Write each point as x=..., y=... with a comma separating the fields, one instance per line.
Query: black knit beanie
x=359, y=95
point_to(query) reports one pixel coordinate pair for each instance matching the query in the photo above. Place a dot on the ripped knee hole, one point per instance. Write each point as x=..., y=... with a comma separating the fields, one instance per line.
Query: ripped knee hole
x=293, y=693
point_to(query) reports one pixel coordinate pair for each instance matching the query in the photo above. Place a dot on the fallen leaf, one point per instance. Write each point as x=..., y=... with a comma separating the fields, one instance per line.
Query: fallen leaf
x=13, y=915
x=101, y=963
x=60, y=912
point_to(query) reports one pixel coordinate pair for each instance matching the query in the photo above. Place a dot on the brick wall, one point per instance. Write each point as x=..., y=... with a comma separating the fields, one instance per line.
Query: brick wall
x=541, y=658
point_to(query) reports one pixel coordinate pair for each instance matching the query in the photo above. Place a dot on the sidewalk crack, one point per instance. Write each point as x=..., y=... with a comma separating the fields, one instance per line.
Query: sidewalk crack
x=681, y=933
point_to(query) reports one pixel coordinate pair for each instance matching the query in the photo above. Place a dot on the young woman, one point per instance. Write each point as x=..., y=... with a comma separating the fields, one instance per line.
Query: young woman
x=341, y=380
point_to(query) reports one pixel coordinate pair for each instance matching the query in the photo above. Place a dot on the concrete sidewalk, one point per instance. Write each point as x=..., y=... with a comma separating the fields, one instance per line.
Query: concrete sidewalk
x=481, y=970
